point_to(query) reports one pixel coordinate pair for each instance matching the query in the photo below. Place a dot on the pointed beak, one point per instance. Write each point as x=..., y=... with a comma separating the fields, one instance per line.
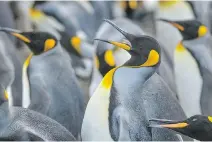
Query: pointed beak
x=175, y=24
x=15, y=33
x=127, y=35
x=117, y=44
x=163, y=123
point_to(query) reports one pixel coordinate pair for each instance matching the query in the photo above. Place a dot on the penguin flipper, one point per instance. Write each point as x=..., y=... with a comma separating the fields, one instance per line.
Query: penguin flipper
x=119, y=125
x=40, y=98
x=36, y=124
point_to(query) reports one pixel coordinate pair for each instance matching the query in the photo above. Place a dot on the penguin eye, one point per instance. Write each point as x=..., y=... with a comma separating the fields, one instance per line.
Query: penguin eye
x=194, y=119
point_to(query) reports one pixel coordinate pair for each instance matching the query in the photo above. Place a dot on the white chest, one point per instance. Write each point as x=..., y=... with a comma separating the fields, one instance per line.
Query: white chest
x=188, y=81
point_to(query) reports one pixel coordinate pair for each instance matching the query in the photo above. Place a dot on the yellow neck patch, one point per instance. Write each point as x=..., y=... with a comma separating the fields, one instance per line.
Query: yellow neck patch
x=76, y=42
x=109, y=59
x=152, y=60
x=180, y=47
x=6, y=96
x=49, y=44
x=123, y=4
x=108, y=79
x=27, y=62
x=167, y=3
x=202, y=31
x=34, y=13
x=133, y=4
x=210, y=118
x=96, y=60
x=21, y=37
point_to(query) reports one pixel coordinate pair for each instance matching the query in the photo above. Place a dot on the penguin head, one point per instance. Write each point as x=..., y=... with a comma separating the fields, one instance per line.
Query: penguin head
x=105, y=61
x=189, y=29
x=38, y=42
x=197, y=126
x=144, y=50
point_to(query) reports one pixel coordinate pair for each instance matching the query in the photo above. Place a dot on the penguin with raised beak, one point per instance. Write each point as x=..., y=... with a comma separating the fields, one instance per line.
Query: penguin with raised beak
x=129, y=95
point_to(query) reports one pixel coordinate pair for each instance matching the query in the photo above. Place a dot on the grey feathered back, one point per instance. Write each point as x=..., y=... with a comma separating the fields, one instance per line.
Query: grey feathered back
x=52, y=72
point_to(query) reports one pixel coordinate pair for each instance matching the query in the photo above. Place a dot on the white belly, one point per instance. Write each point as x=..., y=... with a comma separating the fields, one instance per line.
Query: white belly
x=25, y=84
x=10, y=97
x=95, y=126
x=188, y=81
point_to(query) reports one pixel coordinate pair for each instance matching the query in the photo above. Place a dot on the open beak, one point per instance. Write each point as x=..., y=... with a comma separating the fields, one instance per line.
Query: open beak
x=119, y=44
x=175, y=24
x=163, y=123
x=15, y=33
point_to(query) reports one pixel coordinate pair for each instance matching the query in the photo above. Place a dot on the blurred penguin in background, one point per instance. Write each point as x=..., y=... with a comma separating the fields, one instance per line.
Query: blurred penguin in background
x=194, y=54
x=202, y=11
x=48, y=67
x=9, y=50
x=73, y=39
x=141, y=12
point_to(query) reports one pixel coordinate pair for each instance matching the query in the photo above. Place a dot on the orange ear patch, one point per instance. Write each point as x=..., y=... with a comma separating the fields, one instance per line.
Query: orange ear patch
x=49, y=44
x=76, y=42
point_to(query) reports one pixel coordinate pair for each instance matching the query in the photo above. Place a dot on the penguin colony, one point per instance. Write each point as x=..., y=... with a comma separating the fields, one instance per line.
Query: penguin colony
x=105, y=71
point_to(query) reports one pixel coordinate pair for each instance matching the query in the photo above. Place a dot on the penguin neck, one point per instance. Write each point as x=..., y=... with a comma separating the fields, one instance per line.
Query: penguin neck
x=200, y=50
x=25, y=83
x=127, y=80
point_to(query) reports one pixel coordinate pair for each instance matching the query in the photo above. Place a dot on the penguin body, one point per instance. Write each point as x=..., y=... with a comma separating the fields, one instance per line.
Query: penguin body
x=15, y=88
x=49, y=68
x=66, y=100
x=200, y=49
x=72, y=40
x=16, y=123
x=192, y=66
x=9, y=49
x=129, y=95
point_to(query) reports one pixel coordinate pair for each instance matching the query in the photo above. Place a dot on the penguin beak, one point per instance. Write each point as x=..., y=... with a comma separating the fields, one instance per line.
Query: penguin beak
x=15, y=33
x=117, y=44
x=129, y=37
x=163, y=123
x=175, y=24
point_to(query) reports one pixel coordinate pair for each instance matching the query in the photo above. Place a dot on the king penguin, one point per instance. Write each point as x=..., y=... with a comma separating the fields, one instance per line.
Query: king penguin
x=107, y=55
x=9, y=50
x=73, y=39
x=198, y=126
x=194, y=51
x=49, y=66
x=129, y=95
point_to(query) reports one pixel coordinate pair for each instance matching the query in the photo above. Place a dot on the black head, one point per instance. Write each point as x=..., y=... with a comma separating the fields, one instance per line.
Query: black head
x=38, y=42
x=144, y=50
x=189, y=29
x=198, y=126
